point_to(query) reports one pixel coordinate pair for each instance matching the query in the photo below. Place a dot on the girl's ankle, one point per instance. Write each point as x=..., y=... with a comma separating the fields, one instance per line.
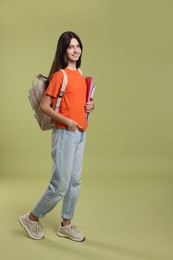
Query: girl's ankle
x=32, y=217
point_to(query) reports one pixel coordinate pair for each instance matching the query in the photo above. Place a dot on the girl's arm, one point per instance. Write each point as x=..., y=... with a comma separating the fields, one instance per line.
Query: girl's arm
x=45, y=107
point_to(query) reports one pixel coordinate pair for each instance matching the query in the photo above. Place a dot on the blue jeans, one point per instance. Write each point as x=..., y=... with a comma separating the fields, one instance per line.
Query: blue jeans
x=67, y=155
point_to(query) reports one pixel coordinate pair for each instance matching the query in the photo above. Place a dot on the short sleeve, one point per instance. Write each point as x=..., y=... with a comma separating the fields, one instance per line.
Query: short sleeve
x=55, y=84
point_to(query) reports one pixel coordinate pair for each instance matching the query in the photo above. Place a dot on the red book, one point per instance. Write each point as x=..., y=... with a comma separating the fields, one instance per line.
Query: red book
x=90, y=91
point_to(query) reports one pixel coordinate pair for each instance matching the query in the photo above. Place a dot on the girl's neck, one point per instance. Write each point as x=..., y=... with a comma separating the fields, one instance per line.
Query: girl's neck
x=72, y=66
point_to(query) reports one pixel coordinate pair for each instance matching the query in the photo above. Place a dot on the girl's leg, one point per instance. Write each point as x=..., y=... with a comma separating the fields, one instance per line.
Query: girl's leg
x=63, y=151
x=71, y=197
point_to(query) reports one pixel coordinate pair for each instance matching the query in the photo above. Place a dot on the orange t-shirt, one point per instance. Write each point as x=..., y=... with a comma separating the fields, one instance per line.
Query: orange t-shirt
x=74, y=98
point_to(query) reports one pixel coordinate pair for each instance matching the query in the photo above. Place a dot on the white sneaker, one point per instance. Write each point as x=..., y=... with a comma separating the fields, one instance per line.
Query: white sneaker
x=70, y=231
x=33, y=228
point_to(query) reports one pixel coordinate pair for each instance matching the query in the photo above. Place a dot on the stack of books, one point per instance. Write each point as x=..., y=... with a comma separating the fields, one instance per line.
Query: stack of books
x=90, y=91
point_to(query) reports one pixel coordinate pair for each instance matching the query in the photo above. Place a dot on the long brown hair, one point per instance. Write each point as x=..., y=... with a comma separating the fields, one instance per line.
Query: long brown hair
x=60, y=60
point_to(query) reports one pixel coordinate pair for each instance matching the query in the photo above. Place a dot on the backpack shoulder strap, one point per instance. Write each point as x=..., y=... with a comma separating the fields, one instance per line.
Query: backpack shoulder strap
x=80, y=71
x=62, y=90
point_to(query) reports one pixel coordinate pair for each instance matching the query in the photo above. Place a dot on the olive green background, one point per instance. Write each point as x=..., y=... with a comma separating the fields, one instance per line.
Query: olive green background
x=125, y=207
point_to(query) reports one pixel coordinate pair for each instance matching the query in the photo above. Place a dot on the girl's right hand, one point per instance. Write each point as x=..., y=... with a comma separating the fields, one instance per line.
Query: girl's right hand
x=72, y=126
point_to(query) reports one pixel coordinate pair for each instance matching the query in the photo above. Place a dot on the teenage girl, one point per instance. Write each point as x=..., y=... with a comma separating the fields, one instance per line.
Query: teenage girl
x=68, y=140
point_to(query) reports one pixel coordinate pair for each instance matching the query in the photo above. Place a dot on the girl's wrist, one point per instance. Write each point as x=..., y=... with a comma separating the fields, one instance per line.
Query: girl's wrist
x=68, y=122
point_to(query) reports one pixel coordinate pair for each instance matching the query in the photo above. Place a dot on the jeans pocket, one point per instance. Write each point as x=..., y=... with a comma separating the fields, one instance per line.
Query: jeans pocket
x=71, y=135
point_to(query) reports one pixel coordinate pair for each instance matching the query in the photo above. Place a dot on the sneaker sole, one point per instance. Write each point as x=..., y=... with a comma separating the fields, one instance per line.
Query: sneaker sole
x=27, y=230
x=74, y=239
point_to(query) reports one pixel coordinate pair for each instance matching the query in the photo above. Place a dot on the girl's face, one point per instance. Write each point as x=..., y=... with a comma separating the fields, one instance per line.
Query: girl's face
x=73, y=51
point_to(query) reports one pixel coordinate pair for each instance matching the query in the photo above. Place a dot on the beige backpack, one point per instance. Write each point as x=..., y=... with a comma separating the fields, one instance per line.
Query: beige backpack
x=36, y=93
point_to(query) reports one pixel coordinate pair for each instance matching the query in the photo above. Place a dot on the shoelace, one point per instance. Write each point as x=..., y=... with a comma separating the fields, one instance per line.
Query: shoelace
x=73, y=227
x=38, y=227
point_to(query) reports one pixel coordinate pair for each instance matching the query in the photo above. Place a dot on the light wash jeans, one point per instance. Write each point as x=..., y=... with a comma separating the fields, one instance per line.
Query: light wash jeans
x=67, y=155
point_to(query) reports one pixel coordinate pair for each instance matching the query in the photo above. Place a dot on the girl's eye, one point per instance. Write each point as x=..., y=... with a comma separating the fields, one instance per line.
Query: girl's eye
x=70, y=47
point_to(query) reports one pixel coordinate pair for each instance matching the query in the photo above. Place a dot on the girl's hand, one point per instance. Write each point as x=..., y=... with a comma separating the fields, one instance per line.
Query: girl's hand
x=89, y=106
x=72, y=125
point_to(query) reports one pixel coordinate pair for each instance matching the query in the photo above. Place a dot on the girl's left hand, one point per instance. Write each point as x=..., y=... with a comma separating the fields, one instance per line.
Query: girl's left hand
x=89, y=106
